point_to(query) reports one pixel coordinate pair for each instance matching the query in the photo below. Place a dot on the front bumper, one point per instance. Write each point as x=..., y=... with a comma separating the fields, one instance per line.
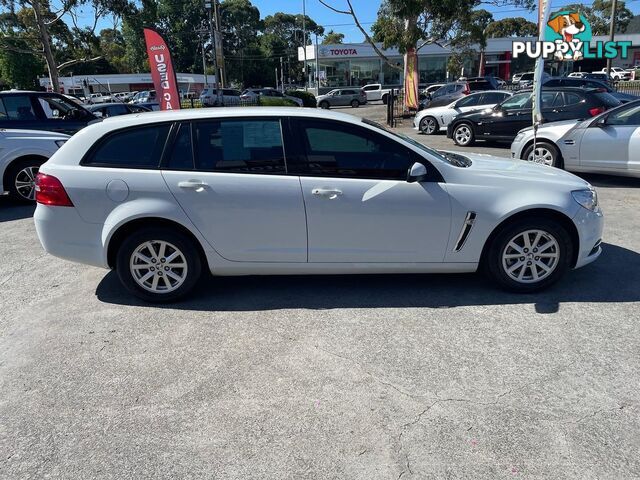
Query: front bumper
x=590, y=226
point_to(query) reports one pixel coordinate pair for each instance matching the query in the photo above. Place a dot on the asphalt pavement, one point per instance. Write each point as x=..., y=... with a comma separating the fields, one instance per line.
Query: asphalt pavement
x=363, y=377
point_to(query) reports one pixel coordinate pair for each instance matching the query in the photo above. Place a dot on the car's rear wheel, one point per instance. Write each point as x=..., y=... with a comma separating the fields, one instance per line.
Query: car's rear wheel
x=428, y=125
x=20, y=178
x=158, y=265
x=545, y=153
x=463, y=135
x=529, y=254
x=355, y=103
x=324, y=105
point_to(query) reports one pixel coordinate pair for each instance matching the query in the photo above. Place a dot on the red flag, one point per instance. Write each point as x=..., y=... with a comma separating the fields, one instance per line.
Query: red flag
x=162, y=73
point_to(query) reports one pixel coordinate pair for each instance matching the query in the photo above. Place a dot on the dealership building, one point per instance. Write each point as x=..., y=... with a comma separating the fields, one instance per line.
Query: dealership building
x=356, y=64
x=86, y=84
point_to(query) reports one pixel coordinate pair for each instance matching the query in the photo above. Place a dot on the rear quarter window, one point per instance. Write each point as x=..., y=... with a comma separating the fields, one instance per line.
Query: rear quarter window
x=139, y=147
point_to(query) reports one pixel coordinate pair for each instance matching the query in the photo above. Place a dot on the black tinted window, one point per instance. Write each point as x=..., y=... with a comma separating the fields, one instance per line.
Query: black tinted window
x=555, y=82
x=480, y=85
x=18, y=107
x=181, y=156
x=492, y=97
x=352, y=152
x=133, y=148
x=244, y=146
x=115, y=110
x=469, y=101
x=606, y=99
x=571, y=98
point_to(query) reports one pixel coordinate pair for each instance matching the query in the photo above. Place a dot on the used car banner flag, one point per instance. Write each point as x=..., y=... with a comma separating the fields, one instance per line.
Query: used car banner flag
x=162, y=73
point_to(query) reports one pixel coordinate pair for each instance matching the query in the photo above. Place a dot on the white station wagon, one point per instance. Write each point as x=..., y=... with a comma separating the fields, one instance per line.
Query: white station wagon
x=266, y=191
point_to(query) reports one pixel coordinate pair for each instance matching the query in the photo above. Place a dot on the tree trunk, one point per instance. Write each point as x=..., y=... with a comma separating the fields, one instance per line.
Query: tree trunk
x=481, y=68
x=43, y=30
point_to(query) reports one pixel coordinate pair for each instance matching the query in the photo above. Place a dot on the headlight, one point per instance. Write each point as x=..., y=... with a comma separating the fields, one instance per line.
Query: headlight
x=519, y=137
x=587, y=198
x=59, y=143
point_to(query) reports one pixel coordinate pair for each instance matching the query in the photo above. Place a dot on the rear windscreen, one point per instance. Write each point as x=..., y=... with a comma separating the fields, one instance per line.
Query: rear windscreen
x=607, y=99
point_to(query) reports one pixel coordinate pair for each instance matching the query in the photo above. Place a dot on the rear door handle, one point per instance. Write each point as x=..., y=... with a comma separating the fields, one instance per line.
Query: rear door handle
x=330, y=193
x=193, y=184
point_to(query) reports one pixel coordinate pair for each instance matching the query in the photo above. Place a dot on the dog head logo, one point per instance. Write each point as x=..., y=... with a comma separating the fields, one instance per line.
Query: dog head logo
x=567, y=25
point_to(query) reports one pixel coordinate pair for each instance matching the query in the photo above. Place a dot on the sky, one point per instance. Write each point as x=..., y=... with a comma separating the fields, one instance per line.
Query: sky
x=367, y=10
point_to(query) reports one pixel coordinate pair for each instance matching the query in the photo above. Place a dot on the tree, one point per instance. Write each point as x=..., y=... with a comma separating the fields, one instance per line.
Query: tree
x=333, y=38
x=598, y=14
x=472, y=32
x=512, y=27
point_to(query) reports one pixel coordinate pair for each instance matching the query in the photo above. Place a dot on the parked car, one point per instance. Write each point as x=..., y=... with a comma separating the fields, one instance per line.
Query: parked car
x=515, y=79
x=254, y=93
x=115, y=109
x=145, y=97
x=505, y=120
x=598, y=76
x=455, y=90
x=577, y=75
x=119, y=96
x=341, y=97
x=526, y=81
x=42, y=111
x=374, y=91
x=604, y=144
x=434, y=119
x=588, y=83
x=21, y=154
x=99, y=98
x=154, y=106
x=228, y=96
x=127, y=195
x=432, y=88
x=616, y=73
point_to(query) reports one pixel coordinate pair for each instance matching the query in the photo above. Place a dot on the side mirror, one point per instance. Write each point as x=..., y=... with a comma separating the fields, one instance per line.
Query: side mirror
x=417, y=173
x=601, y=122
x=98, y=114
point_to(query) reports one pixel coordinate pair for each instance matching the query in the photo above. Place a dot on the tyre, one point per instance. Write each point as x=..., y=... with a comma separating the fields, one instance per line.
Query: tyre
x=324, y=105
x=385, y=99
x=355, y=103
x=20, y=178
x=529, y=255
x=429, y=125
x=546, y=153
x=158, y=265
x=463, y=135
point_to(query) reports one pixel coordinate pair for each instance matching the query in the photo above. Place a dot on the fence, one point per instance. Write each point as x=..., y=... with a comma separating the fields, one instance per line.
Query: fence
x=196, y=103
x=396, y=111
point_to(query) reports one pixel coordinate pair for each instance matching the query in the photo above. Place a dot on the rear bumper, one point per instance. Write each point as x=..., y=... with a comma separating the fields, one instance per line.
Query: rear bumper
x=64, y=234
x=590, y=226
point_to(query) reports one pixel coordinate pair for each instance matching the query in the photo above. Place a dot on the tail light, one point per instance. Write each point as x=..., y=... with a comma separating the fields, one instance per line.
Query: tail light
x=49, y=191
x=466, y=90
x=596, y=111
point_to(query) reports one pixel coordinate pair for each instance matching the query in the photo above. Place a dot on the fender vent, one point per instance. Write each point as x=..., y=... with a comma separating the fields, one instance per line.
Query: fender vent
x=466, y=230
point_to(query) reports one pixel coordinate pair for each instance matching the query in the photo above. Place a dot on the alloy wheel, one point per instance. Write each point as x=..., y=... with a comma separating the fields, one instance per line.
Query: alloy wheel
x=463, y=135
x=158, y=266
x=541, y=155
x=428, y=125
x=531, y=256
x=25, y=182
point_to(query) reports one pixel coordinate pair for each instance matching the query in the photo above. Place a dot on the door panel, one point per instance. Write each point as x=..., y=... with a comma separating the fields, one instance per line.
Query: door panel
x=607, y=147
x=360, y=220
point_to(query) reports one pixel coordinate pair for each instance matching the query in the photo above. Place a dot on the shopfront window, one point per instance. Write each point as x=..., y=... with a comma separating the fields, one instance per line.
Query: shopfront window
x=334, y=73
x=432, y=69
x=364, y=72
x=392, y=76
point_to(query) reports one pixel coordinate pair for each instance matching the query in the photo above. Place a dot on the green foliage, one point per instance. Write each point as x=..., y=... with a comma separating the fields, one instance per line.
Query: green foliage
x=275, y=102
x=512, y=27
x=333, y=38
x=308, y=98
x=598, y=14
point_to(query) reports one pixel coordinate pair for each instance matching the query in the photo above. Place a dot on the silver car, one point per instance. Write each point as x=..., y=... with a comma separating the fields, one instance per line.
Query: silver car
x=228, y=96
x=342, y=97
x=608, y=143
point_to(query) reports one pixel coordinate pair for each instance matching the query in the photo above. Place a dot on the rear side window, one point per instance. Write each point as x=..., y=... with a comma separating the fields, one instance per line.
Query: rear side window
x=493, y=97
x=242, y=146
x=469, y=101
x=133, y=148
x=181, y=155
x=480, y=85
x=571, y=98
x=19, y=108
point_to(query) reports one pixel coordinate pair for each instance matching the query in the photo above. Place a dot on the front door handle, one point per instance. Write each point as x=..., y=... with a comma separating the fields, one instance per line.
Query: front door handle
x=330, y=193
x=197, y=185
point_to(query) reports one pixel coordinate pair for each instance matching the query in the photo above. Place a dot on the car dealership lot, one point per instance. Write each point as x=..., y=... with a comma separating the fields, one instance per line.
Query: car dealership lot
x=419, y=376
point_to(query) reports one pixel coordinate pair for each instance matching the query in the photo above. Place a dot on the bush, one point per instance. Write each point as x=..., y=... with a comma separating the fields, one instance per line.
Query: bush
x=308, y=99
x=276, y=102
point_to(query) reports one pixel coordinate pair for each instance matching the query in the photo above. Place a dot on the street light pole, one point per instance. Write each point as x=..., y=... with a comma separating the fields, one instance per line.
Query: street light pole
x=208, y=4
x=304, y=40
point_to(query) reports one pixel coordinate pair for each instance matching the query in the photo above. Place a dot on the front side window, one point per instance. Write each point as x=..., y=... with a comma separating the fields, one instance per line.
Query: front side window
x=242, y=146
x=519, y=101
x=18, y=107
x=626, y=117
x=56, y=108
x=133, y=148
x=352, y=152
x=493, y=97
x=469, y=101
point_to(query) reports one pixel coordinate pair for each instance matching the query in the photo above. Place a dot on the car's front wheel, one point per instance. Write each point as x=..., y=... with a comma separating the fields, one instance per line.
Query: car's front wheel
x=529, y=255
x=428, y=125
x=324, y=105
x=20, y=178
x=545, y=153
x=463, y=135
x=158, y=265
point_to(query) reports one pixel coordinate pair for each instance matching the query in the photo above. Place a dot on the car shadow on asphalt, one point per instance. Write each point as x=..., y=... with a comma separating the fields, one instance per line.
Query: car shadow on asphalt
x=613, y=278
x=10, y=210
x=610, y=181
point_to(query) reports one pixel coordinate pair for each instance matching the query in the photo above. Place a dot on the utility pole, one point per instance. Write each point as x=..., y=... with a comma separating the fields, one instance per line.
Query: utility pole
x=612, y=31
x=201, y=33
x=304, y=40
x=281, y=75
x=218, y=40
x=209, y=5
x=317, y=68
